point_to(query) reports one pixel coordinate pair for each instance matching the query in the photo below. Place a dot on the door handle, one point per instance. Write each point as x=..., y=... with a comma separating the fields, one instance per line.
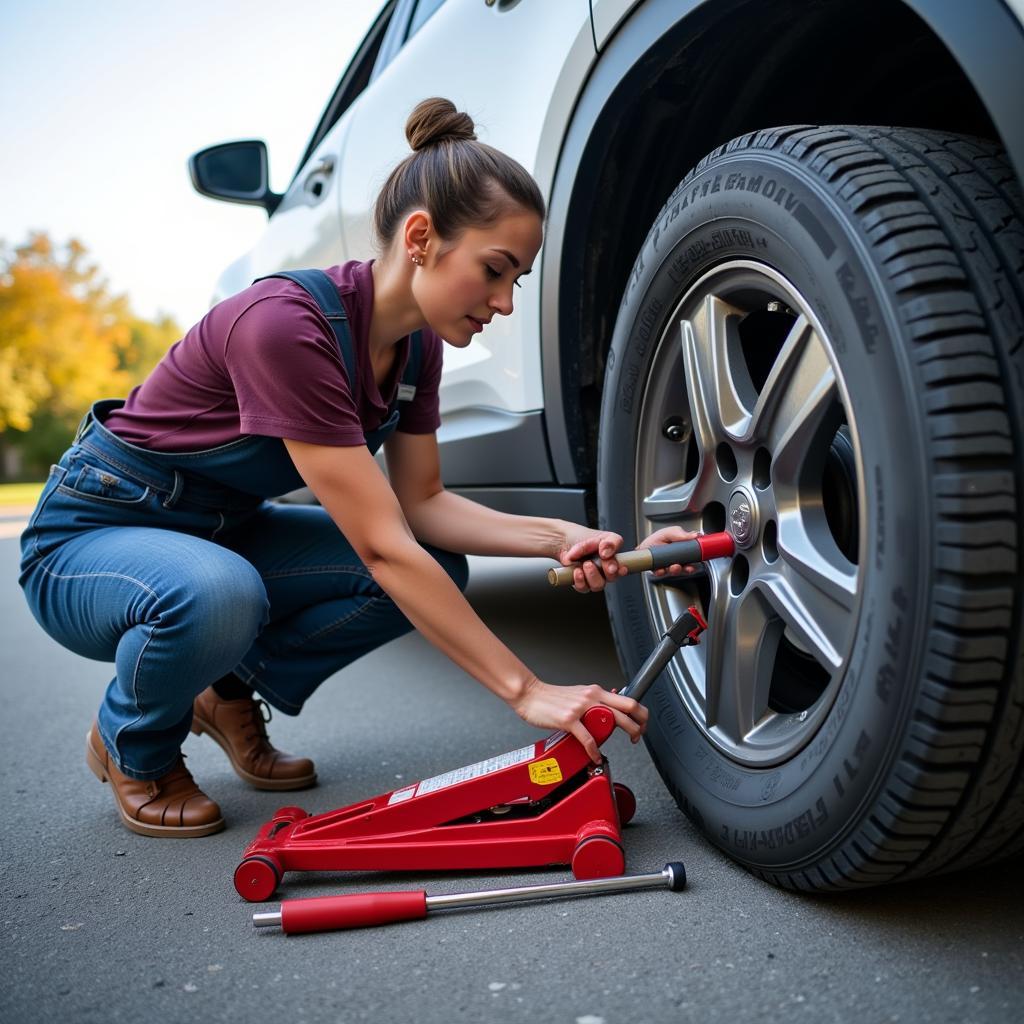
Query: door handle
x=316, y=181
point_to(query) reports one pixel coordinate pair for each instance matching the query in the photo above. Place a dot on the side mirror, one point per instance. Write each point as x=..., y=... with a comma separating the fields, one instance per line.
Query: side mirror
x=237, y=172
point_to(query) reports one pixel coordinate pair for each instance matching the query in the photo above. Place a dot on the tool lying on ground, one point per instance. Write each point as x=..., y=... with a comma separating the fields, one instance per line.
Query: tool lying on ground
x=360, y=910
x=544, y=804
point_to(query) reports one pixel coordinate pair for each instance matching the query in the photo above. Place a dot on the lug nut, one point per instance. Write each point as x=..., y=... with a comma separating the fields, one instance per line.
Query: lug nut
x=674, y=429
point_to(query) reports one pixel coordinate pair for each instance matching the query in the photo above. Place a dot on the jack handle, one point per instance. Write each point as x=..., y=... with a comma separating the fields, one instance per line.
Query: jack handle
x=359, y=910
x=661, y=556
x=685, y=631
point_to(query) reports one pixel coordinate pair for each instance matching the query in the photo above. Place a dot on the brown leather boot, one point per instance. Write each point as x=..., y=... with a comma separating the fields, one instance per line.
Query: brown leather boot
x=240, y=728
x=172, y=806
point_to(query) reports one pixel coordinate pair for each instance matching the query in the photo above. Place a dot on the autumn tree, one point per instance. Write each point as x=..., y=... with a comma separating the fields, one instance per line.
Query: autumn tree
x=65, y=341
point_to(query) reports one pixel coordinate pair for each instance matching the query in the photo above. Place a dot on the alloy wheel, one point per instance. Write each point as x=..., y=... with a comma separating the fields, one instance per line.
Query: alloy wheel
x=746, y=426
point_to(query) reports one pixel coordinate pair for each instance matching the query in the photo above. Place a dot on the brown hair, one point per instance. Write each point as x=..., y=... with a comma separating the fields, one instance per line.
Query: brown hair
x=459, y=181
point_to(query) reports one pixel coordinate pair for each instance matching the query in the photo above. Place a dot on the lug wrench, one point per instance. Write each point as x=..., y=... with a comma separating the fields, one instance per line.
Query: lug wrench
x=361, y=910
x=680, y=552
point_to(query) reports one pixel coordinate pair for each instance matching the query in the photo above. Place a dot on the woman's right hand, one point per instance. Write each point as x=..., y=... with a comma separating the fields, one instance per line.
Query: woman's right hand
x=562, y=707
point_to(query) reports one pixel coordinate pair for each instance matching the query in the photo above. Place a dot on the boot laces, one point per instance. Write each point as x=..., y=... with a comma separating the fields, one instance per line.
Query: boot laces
x=260, y=716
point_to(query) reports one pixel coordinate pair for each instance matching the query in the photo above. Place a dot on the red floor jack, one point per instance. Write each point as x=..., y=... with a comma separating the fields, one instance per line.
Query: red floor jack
x=543, y=804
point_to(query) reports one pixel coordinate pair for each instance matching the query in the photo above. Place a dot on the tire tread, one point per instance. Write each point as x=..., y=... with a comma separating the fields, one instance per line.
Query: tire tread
x=943, y=216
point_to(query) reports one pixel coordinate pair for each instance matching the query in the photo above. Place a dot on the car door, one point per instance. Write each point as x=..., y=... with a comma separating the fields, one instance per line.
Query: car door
x=515, y=66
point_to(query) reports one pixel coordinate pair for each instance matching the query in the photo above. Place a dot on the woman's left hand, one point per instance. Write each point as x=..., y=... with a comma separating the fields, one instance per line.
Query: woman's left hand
x=580, y=544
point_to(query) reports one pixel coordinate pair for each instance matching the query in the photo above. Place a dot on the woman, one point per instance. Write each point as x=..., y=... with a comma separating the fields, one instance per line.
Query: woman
x=153, y=544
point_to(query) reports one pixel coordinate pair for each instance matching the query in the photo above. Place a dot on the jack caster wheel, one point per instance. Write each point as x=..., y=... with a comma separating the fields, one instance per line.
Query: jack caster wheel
x=598, y=852
x=257, y=878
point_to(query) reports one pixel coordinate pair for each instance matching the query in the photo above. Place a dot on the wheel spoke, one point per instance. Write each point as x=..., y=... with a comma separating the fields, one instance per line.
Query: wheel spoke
x=739, y=663
x=798, y=392
x=703, y=409
x=680, y=503
x=714, y=383
x=815, y=595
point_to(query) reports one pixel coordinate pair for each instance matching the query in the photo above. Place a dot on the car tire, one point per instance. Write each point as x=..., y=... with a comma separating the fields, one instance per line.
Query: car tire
x=821, y=348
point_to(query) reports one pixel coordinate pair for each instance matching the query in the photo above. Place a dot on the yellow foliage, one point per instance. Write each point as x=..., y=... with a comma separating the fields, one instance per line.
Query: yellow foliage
x=65, y=340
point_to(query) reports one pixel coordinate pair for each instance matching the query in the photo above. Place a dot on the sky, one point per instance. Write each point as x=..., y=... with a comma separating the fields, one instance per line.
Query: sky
x=102, y=104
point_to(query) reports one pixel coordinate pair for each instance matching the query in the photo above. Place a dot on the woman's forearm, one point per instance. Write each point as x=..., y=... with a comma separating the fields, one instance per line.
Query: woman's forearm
x=457, y=524
x=430, y=600
x=358, y=498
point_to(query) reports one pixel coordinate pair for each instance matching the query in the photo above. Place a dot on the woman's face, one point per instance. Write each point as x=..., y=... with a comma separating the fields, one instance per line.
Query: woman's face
x=459, y=289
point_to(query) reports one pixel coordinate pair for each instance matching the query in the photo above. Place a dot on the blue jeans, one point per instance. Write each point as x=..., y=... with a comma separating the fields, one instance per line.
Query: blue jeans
x=179, y=583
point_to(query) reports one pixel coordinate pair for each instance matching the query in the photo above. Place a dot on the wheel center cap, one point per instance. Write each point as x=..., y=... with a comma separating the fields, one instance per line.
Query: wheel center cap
x=743, y=523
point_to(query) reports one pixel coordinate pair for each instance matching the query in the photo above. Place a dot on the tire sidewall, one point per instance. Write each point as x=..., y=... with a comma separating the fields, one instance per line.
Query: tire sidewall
x=754, y=205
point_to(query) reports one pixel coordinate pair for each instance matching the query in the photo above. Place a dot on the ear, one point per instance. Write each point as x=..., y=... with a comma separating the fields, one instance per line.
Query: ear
x=418, y=232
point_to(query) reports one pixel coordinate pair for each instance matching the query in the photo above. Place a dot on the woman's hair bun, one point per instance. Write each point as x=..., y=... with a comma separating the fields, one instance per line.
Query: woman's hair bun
x=460, y=181
x=436, y=120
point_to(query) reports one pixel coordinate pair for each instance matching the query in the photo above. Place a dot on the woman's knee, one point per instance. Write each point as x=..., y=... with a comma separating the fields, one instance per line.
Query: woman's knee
x=223, y=599
x=94, y=595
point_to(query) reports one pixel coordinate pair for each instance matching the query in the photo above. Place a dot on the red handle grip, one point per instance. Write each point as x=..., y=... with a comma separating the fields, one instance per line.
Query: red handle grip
x=355, y=910
x=716, y=545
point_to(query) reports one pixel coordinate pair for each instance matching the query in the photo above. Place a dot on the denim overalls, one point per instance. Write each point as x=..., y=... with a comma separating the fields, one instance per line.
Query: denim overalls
x=175, y=567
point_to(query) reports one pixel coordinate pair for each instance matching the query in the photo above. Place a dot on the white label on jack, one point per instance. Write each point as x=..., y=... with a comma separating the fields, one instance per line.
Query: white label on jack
x=402, y=794
x=474, y=771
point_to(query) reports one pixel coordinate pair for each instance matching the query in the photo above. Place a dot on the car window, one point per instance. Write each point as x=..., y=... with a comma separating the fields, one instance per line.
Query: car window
x=357, y=76
x=424, y=9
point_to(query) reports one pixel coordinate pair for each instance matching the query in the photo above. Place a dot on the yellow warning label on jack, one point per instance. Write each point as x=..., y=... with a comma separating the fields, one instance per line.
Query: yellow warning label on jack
x=545, y=773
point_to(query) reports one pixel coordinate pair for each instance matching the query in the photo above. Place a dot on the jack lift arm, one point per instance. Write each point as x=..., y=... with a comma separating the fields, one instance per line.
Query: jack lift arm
x=543, y=804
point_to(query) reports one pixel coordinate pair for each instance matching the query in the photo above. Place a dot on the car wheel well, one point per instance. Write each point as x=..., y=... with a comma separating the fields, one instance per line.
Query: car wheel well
x=697, y=86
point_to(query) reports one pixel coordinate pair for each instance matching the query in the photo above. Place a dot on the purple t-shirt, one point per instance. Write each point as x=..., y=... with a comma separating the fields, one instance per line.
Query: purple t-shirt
x=265, y=361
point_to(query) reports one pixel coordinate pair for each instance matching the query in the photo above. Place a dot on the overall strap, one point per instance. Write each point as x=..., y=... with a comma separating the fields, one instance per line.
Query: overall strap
x=406, y=390
x=323, y=292
x=411, y=374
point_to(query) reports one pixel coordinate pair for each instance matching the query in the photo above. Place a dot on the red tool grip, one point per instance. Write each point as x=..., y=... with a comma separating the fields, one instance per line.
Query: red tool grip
x=354, y=910
x=716, y=545
x=687, y=552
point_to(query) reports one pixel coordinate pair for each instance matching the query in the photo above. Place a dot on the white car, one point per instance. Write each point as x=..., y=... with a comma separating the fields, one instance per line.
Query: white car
x=755, y=310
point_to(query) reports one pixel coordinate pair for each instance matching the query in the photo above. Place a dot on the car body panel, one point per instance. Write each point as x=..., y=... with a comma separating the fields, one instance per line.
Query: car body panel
x=984, y=36
x=501, y=369
x=545, y=110
x=607, y=15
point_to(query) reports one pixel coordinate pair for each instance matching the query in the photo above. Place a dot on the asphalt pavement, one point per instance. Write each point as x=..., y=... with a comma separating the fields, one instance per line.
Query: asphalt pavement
x=101, y=925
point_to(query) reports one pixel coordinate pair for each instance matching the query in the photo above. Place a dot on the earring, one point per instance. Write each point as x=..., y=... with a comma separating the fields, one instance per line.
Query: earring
x=418, y=260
